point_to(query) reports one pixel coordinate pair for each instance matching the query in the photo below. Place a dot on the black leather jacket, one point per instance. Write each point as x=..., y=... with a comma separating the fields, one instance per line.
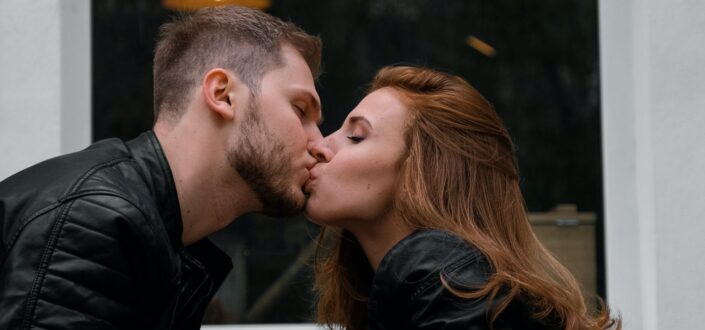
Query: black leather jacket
x=407, y=292
x=92, y=240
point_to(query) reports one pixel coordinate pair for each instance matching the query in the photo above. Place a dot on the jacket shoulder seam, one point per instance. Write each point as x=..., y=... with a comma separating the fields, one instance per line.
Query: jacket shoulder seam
x=63, y=201
x=66, y=203
x=24, y=222
x=33, y=296
x=92, y=171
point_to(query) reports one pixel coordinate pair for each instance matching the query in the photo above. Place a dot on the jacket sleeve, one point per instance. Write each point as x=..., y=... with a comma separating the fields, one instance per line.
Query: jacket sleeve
x=73, y=268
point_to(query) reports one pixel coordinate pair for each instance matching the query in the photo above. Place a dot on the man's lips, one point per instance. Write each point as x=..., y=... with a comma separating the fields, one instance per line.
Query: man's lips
x=313, y=173
x=306, y=189
x=312, y=176
x=308, y=185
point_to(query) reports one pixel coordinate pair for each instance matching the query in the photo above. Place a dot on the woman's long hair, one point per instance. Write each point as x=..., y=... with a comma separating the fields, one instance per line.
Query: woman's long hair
x=459, y=175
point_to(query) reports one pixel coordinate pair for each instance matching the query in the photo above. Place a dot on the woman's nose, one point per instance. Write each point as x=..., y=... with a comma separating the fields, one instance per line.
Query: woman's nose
x=320, y=150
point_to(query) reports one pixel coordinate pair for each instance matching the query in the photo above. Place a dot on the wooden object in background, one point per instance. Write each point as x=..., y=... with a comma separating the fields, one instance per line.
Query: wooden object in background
x=570, y=236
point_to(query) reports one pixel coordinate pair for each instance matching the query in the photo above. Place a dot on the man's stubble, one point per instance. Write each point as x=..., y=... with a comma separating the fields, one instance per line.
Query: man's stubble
x=264, y=162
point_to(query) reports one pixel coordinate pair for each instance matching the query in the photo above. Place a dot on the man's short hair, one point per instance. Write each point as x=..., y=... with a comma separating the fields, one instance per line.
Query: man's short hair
x=245, y=41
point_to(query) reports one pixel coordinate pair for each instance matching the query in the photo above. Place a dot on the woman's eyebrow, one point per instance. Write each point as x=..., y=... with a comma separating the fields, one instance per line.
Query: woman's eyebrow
x=355, y=119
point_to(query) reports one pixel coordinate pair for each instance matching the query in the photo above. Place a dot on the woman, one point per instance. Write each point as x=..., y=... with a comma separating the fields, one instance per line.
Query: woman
x=431, y=232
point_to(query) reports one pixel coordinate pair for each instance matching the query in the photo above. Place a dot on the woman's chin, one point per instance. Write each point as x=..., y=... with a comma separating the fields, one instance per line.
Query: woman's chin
x=311, y=213
x=317, y=216
x=309, y=217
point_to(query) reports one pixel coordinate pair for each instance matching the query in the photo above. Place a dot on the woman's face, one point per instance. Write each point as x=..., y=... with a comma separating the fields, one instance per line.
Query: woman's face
x=355, y=179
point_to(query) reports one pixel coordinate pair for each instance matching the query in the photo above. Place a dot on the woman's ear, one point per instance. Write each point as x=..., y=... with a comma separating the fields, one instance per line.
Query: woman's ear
x=219, y=88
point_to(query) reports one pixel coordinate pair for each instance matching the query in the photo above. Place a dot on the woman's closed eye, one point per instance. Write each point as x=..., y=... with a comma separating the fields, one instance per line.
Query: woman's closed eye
x=355, y=138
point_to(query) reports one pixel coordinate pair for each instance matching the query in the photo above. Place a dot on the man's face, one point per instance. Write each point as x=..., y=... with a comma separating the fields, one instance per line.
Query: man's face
x=272, y=152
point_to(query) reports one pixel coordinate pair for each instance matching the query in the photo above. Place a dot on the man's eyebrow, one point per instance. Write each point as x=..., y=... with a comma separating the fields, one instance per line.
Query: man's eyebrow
x=355, y=119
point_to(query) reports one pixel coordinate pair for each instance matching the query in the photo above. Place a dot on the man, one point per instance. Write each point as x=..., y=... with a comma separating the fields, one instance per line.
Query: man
x=114, y=236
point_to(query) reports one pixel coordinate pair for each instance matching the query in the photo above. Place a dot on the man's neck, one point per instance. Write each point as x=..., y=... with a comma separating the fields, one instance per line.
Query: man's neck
x=211, y=194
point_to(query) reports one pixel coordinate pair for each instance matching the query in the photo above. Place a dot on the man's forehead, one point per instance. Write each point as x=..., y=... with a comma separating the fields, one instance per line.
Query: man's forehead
x=293, y=71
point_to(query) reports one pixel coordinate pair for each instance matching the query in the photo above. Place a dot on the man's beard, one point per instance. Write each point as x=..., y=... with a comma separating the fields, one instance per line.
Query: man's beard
x=264, y=163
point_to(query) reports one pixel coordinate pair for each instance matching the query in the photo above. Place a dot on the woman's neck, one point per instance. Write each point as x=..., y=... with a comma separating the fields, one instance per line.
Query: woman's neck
x=376, y=240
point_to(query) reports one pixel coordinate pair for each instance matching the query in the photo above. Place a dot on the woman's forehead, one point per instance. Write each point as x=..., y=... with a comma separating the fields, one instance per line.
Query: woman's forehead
x=384, y=104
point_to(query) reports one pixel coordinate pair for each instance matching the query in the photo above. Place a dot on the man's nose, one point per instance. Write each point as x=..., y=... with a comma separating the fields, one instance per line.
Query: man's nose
x=314, y=135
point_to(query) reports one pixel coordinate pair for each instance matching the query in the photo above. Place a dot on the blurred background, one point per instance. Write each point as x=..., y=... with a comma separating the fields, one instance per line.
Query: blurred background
x=536, y=60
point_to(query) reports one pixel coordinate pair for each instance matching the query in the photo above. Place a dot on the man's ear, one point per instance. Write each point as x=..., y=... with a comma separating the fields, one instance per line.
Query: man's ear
x=220, y=88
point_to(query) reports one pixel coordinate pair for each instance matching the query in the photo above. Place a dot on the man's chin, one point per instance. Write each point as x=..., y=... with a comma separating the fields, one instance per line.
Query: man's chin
x=290, y=205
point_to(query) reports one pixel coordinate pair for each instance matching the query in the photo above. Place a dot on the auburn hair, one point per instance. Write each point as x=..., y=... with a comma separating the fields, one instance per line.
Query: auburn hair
x=459, y=174
x=244, y=40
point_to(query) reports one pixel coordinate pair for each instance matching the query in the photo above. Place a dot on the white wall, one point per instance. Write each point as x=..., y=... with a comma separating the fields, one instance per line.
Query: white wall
x=44, y=81
x=653, y=111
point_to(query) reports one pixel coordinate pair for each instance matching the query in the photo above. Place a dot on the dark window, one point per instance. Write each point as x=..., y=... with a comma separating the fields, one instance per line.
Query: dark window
x=536, y=60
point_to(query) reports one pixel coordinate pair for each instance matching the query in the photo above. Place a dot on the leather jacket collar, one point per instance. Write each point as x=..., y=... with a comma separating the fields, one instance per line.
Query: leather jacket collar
x=148, y=153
